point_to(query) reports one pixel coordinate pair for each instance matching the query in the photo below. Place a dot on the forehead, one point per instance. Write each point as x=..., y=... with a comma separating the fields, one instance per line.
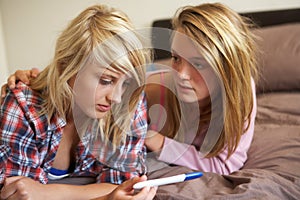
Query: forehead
x=114, y=72
x=94, y=66
x=184, y=46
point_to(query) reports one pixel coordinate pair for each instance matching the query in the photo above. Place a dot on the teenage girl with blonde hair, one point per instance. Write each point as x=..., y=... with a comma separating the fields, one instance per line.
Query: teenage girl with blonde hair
x=207, y=101
x=98, y=67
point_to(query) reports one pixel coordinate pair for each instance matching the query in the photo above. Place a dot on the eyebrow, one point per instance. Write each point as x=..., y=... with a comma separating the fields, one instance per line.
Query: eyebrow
x=115, y=75
x=173, y=51
x=197, y=59
x=107, y=73
x=190, y=59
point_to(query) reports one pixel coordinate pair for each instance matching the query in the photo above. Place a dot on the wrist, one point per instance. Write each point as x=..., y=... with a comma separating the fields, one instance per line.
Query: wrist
x=154, y=141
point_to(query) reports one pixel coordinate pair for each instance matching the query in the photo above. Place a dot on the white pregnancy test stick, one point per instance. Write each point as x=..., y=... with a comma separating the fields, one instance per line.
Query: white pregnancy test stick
x=168, y=180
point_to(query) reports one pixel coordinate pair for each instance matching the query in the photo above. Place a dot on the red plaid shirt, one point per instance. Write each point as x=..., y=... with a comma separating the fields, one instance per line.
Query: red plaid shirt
x=28, y=143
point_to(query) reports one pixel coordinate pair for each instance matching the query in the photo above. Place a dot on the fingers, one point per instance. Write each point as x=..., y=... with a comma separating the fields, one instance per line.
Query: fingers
x=128, y=185
x=3, y=92
x=34, y=72
x=147, y=193
x=23, y=75
x=12, y=179
x=11, y=186
x=11, y=81
x=136, y=180
x=126, y=191
x=142, y=178
x=152, y=193
x=19, y=193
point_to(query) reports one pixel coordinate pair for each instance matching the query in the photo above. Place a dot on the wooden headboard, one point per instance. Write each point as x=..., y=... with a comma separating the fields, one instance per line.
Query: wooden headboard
x=261, y=19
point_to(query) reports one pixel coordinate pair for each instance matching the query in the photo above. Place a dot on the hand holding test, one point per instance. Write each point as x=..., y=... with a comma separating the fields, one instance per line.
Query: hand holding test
x=168, y=180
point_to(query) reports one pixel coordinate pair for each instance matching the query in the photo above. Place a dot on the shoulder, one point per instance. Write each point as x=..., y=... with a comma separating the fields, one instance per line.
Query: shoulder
x=158, y=76
x=22, y=93
x=21, y=99
x=139, y=121
x=158, y=80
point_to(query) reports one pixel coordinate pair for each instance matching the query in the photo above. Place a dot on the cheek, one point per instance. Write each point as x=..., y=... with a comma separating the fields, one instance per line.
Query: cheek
x=99, y=93
x=203, y=83
x=85, y=90
x=211, y=81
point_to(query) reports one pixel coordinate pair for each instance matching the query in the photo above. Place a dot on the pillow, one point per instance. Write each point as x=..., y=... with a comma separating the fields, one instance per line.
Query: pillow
x=279, y=57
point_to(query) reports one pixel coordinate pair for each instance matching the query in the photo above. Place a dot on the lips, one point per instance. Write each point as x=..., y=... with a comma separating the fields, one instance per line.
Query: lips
x=184, y=87
x=103, y=108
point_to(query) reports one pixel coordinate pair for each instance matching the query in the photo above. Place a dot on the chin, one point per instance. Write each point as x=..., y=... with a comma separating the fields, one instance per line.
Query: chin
x=187, y=98
x=100, y=115
x=95, y=115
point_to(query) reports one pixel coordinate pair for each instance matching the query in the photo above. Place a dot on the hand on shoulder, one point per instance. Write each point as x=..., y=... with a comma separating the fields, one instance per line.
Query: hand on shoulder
x=19, y=75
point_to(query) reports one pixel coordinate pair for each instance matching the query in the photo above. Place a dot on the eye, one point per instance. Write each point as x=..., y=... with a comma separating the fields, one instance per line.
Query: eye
x=175, y=58
x=198, y=65
x=106, y=81
x=127, y=83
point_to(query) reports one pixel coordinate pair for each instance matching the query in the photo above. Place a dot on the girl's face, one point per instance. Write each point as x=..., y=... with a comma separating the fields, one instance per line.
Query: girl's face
x=97, y=88
x=194, y=78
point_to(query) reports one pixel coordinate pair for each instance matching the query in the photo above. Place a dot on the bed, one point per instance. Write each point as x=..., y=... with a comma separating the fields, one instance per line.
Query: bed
x=272, y=170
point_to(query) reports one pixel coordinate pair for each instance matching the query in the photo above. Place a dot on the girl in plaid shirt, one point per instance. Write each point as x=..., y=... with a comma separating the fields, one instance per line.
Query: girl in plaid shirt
x=89, y=99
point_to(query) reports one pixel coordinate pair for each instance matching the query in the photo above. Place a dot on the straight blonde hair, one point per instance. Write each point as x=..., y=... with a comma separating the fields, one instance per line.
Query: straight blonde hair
x=224, y=39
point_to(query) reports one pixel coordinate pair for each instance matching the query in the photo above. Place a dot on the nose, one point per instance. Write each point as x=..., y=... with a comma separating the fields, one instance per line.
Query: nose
x=115, y=95
x=183, y=69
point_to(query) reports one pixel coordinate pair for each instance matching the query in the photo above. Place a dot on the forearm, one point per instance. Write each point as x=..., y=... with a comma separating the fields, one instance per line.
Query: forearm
x=187, y=155
x=91, y=191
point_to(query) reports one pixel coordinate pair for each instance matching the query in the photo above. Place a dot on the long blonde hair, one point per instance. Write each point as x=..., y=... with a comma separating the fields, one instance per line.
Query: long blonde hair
x=227, y=44
x=80, y=42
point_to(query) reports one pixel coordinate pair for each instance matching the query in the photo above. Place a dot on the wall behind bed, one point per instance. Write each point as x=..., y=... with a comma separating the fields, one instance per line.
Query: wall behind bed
x=29, y=28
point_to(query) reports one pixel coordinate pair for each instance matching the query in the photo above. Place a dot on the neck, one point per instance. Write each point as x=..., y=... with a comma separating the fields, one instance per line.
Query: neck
x=201, y=105
x=193, y=112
